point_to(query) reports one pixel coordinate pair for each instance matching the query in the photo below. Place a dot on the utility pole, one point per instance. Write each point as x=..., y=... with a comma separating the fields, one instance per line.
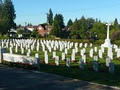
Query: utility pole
x=25, y=24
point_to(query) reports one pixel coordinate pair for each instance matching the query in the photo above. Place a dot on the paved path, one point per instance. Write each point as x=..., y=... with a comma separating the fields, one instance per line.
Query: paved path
x=14, y=78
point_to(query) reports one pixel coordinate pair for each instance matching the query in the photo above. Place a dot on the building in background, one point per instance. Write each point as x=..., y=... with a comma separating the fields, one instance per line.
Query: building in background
x=44, y=30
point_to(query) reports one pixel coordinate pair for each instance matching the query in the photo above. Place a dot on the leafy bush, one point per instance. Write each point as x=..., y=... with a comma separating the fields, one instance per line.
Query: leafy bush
x=19, y=31
x=117, y=42
x=4, y=37
x=99, y=42
x=115, y=36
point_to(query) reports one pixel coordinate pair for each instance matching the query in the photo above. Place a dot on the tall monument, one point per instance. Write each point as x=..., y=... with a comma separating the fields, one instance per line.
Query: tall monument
x=107, y=43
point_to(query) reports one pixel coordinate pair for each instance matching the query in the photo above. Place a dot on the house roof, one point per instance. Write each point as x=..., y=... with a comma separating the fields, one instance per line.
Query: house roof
x=13, y=30
x=43, y=25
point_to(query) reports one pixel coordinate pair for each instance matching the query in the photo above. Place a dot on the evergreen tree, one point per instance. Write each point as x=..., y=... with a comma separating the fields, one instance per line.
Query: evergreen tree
x=70, y=23
x=58, y=25
x=75, y=25
x=8, y=16
x=50, y=17
x=74, y=30
x=1, y=25
x=90, y=22
x=81, y=28
x=116, y=24
x=56, y=29
x=99, y=29
x=59, y=18
x=1, y=6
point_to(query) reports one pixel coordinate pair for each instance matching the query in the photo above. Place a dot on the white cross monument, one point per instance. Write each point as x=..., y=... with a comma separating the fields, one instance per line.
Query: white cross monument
x=107, y=43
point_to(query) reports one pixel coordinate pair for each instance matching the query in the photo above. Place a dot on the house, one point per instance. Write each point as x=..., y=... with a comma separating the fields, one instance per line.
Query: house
x=23, y=32
x=13, y=33
x=44, y=29
x=31, y=28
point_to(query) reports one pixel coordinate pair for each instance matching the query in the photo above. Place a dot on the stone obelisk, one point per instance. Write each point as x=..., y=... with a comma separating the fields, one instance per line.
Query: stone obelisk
x=107, y=43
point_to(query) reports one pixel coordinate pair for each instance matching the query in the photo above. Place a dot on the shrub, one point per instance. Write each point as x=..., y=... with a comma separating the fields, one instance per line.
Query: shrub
x=99, y=42
x=115, y=36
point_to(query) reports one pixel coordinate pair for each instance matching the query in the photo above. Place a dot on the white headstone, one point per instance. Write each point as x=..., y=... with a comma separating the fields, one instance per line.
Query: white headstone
x=22, y=51
x=46, y=59
x=11, y=52
x=95, y=49
x=108, y=61
x=54, y=54
x=91, y=53
x=66, y=51
x=95, y=58
x=73, y=57
x=28, y=54
x=68, y=62
x=63, y=56
x=100, y=54
x=57, y=60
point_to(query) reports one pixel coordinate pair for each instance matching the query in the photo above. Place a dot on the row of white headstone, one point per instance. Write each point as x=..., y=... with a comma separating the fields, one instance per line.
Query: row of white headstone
x=53, y=46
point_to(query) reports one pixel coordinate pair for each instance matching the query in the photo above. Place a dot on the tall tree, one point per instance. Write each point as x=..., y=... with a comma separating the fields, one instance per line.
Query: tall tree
x=59, y=18
x=99, y=30
x=74, y=30
x=70, y=23
x=50, y=17
x=83, y=27
x=55, y=29
x=90, y=22
x=1, y=6
x=1, y=26
x=58, y=25
x=8, y=15
x=116, y=24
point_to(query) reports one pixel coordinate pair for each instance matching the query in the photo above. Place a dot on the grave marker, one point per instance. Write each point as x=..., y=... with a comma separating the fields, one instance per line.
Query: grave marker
x=38, y=60
x=57, y=60
x=68, y=62
x=81, y=63
x=111, y=68
x=108, y=61
x=95, y=65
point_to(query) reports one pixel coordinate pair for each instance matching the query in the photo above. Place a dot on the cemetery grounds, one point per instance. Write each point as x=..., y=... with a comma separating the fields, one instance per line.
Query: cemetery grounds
x=102, y=76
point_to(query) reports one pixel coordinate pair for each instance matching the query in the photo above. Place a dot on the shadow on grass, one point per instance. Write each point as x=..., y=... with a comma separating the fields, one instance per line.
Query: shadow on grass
x=88, y=74
x=15, y=78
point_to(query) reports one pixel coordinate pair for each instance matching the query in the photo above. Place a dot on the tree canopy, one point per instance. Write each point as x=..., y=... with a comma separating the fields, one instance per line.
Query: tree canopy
x=7, y=16
x=70, y=23
x=58, y=25
x=116, y=27
x=50, y=17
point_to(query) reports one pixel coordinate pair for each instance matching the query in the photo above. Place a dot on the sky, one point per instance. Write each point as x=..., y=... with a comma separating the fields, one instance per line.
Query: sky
x=34, y=11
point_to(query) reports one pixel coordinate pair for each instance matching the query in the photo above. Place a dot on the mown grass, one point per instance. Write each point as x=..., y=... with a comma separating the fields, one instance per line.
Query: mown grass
x=88, y=74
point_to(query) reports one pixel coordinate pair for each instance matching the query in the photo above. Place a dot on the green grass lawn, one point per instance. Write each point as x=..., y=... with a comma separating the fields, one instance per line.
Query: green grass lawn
x=88, y=74
x=102, y=76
